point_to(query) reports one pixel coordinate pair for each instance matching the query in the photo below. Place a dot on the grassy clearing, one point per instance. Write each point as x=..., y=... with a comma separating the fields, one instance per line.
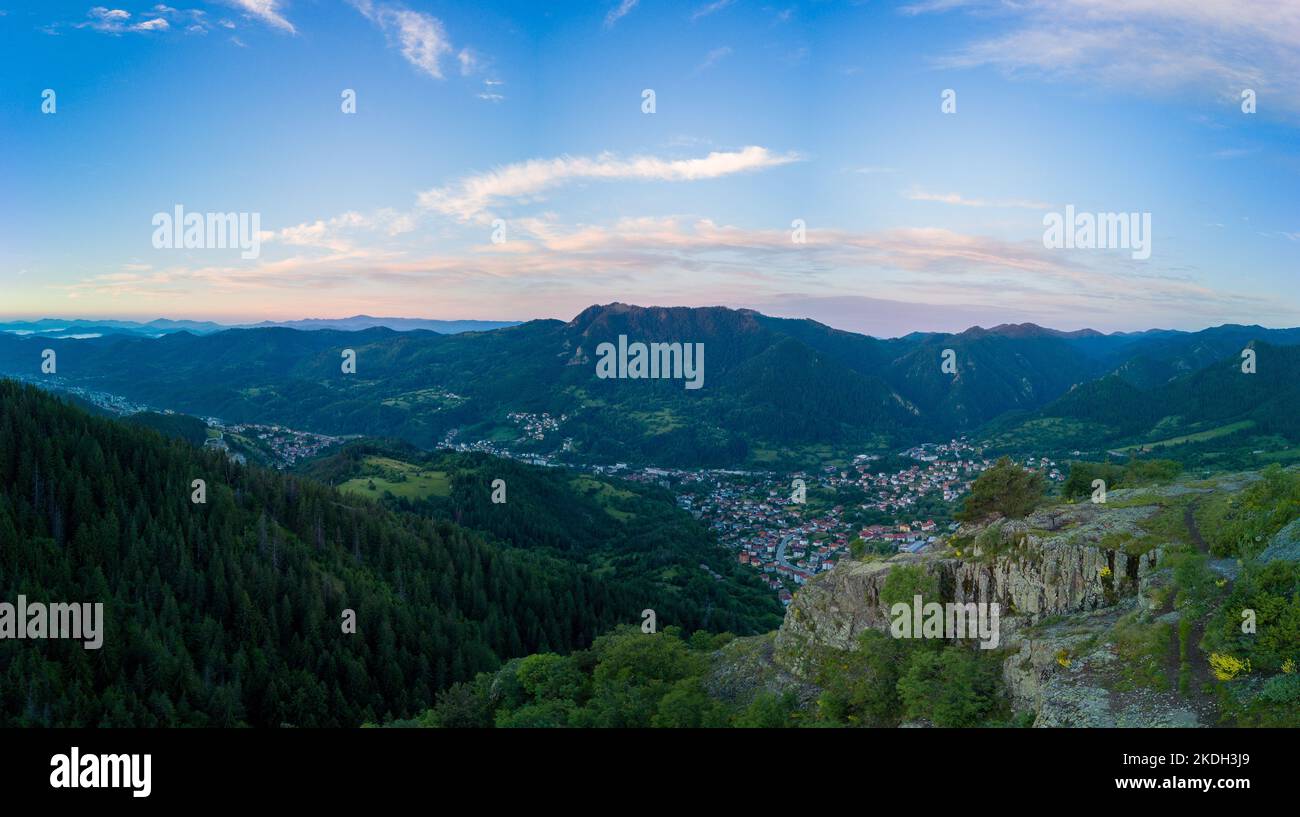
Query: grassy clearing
x=402, y=479
x=1195, y=437
x=605, y=495
x=435, y=399
x=658, y=422
x=1141, y=647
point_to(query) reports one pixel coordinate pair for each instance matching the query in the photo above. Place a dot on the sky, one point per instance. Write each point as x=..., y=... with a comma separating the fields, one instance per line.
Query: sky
x=880, y=167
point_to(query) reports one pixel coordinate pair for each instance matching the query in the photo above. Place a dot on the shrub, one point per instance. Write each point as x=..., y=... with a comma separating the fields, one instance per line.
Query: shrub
x=1005, y=489
x=1228, y=667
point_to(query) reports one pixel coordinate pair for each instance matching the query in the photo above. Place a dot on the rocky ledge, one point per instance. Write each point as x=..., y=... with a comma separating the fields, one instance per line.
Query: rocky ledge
x=1049, y=564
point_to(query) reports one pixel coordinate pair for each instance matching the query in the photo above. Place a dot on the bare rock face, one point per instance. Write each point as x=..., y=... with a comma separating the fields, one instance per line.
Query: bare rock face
x=1285, y=544
x=1050, y=563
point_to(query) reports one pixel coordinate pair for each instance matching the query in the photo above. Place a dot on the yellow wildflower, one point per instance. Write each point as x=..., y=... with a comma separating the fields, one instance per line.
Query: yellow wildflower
x=1228, y=667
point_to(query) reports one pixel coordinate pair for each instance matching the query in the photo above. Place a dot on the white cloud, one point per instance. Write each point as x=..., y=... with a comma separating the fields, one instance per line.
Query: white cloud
x=423, y=40
x=713, y=57
x=421, y=37
x=958, y=199
x=705, y=11
x=1212, y=47
x=550, y=268
x=471, y=197
x=468, y=61
x=268, y=11
x=619, y=12
x=117, y=21
x=336, y=234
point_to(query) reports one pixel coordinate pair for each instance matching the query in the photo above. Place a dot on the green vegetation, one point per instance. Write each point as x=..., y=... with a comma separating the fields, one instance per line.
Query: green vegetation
x=1267, y=692
x=1199, y=436
x=1272, y=592
x=1134, y=473
x=1005, y=489
x=1241, y=524
x=229, y=613
x=1141, y=647
x=633, y=679
x=904, y=582
x=381, y=475
x=181, y=426
x=888, y=680
x=631, y=537
x=626, y=679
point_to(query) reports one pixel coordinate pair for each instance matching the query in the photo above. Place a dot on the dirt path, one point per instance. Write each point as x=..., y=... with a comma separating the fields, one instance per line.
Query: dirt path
x=1202, y=676
x=1189, y=519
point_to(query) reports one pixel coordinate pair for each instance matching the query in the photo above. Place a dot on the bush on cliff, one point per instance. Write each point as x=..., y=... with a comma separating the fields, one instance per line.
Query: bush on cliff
x=1005, y=489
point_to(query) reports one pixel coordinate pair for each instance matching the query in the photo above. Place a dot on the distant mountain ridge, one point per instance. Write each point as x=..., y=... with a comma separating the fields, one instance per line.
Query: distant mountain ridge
x=57, y=326
x=778, y=390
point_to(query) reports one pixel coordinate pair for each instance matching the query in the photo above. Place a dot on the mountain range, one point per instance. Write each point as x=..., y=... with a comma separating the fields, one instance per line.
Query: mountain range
x=777, y=391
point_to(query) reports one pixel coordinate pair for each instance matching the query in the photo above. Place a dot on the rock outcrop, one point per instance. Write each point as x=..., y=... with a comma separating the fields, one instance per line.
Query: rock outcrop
x=1284, y=546
x=1051, y=563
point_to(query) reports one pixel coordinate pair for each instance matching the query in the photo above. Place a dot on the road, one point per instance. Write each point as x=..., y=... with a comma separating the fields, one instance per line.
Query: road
x=780, y=555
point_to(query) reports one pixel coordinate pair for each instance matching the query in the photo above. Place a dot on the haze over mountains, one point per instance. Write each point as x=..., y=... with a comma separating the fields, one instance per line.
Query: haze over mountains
x=58, y=327
x=777, y=390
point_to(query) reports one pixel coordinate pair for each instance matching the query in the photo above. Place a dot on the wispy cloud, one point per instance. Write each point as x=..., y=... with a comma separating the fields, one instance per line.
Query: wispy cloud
x=1214, y=47
x=960, y=200
x=268, y=11
x=118, y=21
x=619, y=12
x=1233, y=153
x=551, y=269
x=469, y=61
x=337, y=234
x=472, y=196
x=713, y=58
x=711, y=8
x=421, y=37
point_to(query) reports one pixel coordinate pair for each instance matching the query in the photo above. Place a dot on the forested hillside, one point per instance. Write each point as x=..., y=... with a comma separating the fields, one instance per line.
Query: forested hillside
x=1217, y=410
x=630, y=535
x=230, y=612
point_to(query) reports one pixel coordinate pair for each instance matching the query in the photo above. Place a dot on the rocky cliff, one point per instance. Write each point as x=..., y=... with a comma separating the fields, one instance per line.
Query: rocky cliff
x=1052, y=563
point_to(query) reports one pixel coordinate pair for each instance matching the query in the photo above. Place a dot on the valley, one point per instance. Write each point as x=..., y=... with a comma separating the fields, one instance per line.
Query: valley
x=753, y=524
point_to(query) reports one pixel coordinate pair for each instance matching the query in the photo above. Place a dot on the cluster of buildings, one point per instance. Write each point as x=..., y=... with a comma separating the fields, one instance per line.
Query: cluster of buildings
x=760, y=519
x=284, y=446
x=110, y=403
x=769, y=523
x=536, y=426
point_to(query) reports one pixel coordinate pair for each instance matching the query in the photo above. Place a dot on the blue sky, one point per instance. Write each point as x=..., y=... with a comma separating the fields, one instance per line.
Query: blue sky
x=765, y=113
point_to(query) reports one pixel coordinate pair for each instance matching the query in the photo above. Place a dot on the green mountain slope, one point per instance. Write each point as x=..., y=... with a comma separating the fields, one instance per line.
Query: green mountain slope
x=230, y=612
x=631, y=536
x=777, y=392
